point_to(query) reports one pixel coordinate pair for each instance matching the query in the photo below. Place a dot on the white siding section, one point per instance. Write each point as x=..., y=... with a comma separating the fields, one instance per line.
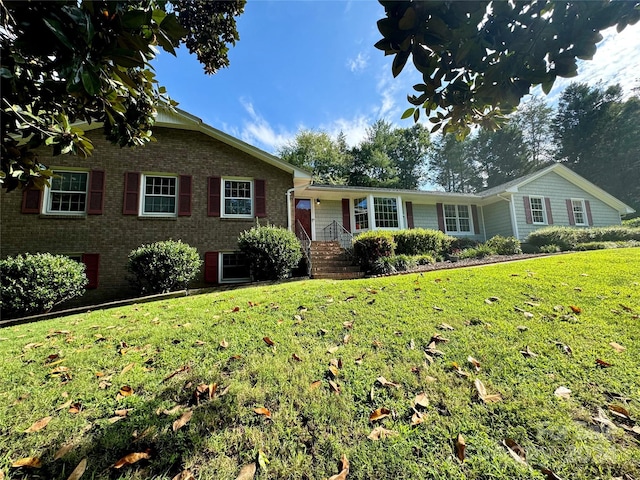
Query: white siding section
x=558, y=190
x=327, y=212
x=497, y=219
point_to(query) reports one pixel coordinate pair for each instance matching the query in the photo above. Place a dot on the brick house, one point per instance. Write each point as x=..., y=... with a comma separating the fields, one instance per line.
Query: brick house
x=195, y=184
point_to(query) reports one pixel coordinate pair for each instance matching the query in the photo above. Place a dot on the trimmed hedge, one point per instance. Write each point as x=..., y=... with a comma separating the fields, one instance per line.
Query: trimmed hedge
x=632, y=222
x=33, y=284
x=369, y=247
x=504, y=245
x=567, y=238
x=162, y=267
x=480, y=251
x=272, y=252
x=418, y=241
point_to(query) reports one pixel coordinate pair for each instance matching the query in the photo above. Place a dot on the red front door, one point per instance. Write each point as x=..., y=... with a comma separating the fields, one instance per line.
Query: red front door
x=303, y=217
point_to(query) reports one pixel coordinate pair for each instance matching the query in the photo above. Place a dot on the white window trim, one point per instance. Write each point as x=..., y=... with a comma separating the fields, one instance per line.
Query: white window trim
x=223, y=213
x=221, y=279
x=46, y=200
x=372, y=214
x=585, y=223
x=458, y=232
x=143, y=182
x=544, y=210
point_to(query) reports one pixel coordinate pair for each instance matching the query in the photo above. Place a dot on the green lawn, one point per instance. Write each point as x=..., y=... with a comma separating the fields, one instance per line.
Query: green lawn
x=351, y=333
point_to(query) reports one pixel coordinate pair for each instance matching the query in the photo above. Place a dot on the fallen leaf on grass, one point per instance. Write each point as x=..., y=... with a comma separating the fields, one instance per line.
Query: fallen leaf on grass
x=522, y=328
x=380, y=433
x=28, y=462
x=263, y=411
x=333, y=349
x=459, y=370
x=334, y=386
x=528, y=315
x=182, y=369
x=79, y=470
x=417, y=418
x=39, y=425
x=562, y=392
x=379, y=414
x=421, y=400
x=619, y=411
x=491, y=300
x=64, y=406
x=344, y=465
x=247, y=472
x=132, y=458
x=62, y=451
x=602, y=363
x=315, y=384
x=185, y=475
x=484, y=396
x=115, y=419
x=127, y=368
x=360, y=359
x=224, y=343
x=437, y=338
x=617, y=347
x=75, y=408
x=515, y=450
x=575, y=309
x=550, y=474
x=268, y=341
x=296, y=357
x=386, y=383
x=625, y=308
x=126, y=391
x=460, y=447
x=528, y=353
x=474, y=363
x=566, y=349
x=182, y=421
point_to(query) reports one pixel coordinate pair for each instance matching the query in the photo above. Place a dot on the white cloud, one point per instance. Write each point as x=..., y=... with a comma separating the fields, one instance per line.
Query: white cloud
x=257, y=130
x=358, y=64
x=354, y=129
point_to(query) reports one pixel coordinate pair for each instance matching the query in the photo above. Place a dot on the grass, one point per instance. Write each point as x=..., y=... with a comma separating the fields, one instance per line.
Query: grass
x=389, y=322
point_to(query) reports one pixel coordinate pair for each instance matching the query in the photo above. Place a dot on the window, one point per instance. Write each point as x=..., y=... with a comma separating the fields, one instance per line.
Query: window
x=234, y=268
x=361, y=213
x=386, y=212
x=457, y=218
x=159, y=195
x=238, y=198
x=537, y=210
x=67, y=194
x=578, y=211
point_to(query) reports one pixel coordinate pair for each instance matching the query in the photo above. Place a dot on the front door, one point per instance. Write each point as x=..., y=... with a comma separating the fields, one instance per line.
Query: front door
x=303, y=217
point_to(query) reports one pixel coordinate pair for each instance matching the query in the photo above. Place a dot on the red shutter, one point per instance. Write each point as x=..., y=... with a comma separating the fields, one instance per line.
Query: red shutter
x=587, y=207
x=440, y=213
x=261, y=198
x=409, y=207
x=547, y=203
x=572, y=220
x=31, y=200
x=96, y=192
x=211, y=266
x=346, y=214
x=131, y=193
x=474, y=215
x=184, y=196
x=527, y=210
x=213, y=204
x=92, y=264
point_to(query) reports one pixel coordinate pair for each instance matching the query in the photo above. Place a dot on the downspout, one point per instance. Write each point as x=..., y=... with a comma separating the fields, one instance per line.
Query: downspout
x=289, y=192
x=514, y=224
x=484, y=229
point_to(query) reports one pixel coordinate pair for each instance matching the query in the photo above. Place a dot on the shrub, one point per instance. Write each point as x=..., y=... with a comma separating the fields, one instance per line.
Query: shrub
x=567, y=238
x=528, y=248
x=461, y=243
x=504, y=245
x=595, y=246
x=424, y=259
x=33, y=284
x=418, y=241
x=564, y=238
x=163, y=266
x=272, y=252
x=370, y=246
x=632, y=222
x=383, y=266
x=480, y=251
x=552, y=248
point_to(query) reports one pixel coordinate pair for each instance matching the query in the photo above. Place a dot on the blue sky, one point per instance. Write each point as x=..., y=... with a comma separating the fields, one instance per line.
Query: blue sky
x=311, y=64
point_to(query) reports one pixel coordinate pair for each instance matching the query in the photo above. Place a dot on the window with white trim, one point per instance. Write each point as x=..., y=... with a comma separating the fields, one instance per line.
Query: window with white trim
x=538, y=214
x=361, y=213
x=578, y=211
x=457, y=218
x=386, y=212
x=237, y=198
x=67, y=193
x=234, y=268
x=159, y=195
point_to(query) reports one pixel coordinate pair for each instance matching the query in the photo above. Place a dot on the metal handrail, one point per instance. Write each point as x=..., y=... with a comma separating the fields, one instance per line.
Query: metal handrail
x=336, y=232
x=305, y=242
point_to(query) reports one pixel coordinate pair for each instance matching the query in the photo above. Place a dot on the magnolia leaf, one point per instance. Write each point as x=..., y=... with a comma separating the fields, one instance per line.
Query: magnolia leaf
x=445, y=326
x=268, y=341
x=224, y=343
x=617, y=347
x=334, y=371
x=344, y=466
x=474, y=363
x=550, y=474
x=65, y=405
x=263, y=411
x=421, y=400
x=515, y=450
x=385, y=383
x=185, y=475
x=458, y=370
x=132, y=458
x=346, y=339
x=562, y=392
x=333, y=349
x=619, y=411
x=79, y=470
x=39, y=425
x=575, y=309
x=602, y=363
x=334, y=386
x=437, y=338
x=126, y=391
x=379, y=414
x=296, y=357
x=127, y=368
x=460, y=447
x=62, y=451
x=417, y=418
x=183, y=420
x=380, y=433
x=528, y=353
x=247, y=472
x=528, y=315
x=484, y=396
x=315, y=384
x=28, y=462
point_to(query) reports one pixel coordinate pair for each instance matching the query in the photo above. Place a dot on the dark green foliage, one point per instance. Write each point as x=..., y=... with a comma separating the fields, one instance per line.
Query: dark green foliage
x=163, y=266
x=632, y=222
x=33, y=284
x=552, y=248
x=480, y=251
x=370, y=246
x=417, y=241
x=272, y=252
x=529, y=249
x=478, y=59
x=567, y=238
x=460, y=243
x=504, y=245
